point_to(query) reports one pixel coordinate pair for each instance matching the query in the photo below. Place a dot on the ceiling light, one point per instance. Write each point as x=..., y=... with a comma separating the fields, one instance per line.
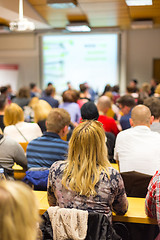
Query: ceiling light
x=21, y=24
x=78, y=27
x=138, y=2
x=62, y=3
x=142, y=24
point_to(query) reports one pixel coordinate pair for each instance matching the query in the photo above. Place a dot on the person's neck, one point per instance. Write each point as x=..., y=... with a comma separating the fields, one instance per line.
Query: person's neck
x=1, y=112
x=156, y=120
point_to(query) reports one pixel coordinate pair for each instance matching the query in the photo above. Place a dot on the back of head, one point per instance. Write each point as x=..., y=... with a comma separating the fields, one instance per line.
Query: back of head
x=32, y=85
x=50, y=90
x=3, y=102
x=18, y=211
x=154, y=105
x=87, y=157
x=69, y=96
x=41, y=110
x=83, y=88
x=24, y=92
x=57, y=119
x=126, y=100
x=13, y=114
x=103, y=103
x=3, y=90
x=89, y=111
x=141, y=115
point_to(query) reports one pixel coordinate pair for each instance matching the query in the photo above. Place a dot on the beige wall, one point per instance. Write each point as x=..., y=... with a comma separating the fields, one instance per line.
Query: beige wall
x=139, y=47
x=21, y=49
x=142, y=47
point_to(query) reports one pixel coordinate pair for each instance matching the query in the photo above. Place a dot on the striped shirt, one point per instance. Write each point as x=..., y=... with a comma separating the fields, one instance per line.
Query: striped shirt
x=45, y=150
x=152, y=203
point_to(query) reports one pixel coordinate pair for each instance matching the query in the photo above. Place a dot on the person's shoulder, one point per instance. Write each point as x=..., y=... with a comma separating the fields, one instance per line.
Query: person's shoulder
x=58, y=166
x=125, y=132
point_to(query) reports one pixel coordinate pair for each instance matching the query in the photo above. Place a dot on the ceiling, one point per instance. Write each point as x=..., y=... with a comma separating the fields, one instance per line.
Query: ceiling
x=99, y=13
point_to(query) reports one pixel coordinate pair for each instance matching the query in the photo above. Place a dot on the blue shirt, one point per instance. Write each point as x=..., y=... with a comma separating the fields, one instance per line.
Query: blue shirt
x=45, y=150
x=124, y=121
x=53, y=102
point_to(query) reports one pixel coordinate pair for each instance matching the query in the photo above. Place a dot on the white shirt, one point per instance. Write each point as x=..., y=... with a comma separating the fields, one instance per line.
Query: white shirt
x=29, y=130
x=138, y=149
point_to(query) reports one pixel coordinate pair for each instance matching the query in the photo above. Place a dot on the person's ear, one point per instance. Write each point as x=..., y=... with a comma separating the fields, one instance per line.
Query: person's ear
x=151, y=119
x=65, y=130
x=131, y=122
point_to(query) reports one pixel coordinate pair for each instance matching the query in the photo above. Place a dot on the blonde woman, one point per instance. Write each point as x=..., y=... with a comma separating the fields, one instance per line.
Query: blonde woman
x=41, y=111
x=16, y=127
x=19, y=212
x=86, y=180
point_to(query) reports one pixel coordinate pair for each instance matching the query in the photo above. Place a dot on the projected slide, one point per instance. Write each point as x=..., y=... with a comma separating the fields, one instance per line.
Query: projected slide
x=90, y=58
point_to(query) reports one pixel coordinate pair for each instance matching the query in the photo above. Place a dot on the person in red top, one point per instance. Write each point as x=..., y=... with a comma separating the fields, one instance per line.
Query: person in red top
x=109, y=124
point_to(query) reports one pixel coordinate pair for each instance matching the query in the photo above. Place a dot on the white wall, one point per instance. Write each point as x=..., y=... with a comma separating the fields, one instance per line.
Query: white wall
x=142, y=47
x=21, y=49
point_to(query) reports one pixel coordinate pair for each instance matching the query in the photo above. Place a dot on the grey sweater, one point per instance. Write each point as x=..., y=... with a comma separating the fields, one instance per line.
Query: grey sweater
x=11, y=152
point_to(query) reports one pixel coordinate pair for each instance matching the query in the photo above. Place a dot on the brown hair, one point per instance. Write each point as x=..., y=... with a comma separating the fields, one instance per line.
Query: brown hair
x=57, y=119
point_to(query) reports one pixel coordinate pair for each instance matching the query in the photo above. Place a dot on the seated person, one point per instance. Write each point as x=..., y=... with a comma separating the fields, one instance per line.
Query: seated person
x=109, y=124
x=86, y=180
x=41, y=110
x=11, y=152
x=16, y=128
x=70, y=105
x=49, y=97
x=23, y=97
x=19, y=212
x=153, y=104
x=89, y=112
x=126, y=103
x=3, y=104
x=45, y=150
x=137, y=148
x=152, y=203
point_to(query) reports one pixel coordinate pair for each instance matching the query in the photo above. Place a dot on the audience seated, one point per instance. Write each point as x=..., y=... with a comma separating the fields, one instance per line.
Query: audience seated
x=45, y=150
x=109, y=124
x=11, y=152
x=23, y=97
x=70, y=105
x=126, y=103
x=49, y=96
x=137, y=148
x=89, y=112
x=154, y=105
x=86, y=181
x=34, y=90
x=19, y=212
x=16, y=128
x=41, y=111
x=3, y=104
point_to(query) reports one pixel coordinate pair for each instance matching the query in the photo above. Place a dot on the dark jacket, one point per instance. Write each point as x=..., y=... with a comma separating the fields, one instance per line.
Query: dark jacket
x=99, y=228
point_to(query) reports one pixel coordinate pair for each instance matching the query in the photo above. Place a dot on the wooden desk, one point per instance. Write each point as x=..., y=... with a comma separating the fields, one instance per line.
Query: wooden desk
x=115, y=165
x=19, y=173
x=135, y=213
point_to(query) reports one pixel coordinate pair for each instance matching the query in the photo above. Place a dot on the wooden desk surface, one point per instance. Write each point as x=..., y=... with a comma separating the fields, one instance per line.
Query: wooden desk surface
x=115, y=165
x=19, y=173
x=135, y=213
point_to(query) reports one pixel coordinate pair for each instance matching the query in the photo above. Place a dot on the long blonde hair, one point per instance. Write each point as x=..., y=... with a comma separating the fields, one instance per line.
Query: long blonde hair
x=18, y=212
x=87, y=158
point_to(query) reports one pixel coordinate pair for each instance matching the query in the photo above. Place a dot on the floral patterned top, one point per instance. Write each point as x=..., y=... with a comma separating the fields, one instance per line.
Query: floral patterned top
x=110, y=196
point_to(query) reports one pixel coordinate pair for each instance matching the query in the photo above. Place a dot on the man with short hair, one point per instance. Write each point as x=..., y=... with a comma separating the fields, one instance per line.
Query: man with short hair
x=109, y=124
x=153, y=104
x=126, y=103
x=137, y=149
x=45, y=150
